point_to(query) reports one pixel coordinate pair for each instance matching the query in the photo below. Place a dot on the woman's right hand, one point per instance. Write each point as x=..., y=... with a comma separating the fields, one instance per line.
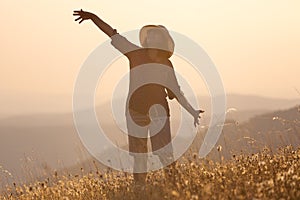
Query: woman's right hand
x=83, y=15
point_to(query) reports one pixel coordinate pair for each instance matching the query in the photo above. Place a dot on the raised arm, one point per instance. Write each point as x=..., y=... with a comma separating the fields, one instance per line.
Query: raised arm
x=83, y=15
x=118, y=41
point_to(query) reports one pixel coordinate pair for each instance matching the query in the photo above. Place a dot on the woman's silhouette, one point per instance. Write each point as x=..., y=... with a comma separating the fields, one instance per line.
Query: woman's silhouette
x=144, y=104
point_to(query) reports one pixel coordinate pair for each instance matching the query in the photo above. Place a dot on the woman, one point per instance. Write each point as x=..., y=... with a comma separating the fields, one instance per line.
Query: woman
x=147, y=104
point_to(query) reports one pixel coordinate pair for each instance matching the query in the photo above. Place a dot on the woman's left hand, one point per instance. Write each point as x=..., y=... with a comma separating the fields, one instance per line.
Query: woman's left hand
x=197, y=117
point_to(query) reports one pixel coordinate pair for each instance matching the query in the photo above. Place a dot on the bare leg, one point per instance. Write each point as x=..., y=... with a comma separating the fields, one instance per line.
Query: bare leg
x=138, y=147
x=139, y=179
x=162, y=146
x=140, y=165
x=170, y=166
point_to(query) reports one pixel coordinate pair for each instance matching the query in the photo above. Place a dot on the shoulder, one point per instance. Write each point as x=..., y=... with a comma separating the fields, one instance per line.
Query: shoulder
x=123, y=44
x=117, y=39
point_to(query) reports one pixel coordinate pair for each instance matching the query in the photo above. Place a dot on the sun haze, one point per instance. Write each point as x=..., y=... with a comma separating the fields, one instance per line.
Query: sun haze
x=254, y=44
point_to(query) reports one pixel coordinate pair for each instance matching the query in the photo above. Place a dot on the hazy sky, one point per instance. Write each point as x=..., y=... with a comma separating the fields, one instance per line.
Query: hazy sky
x=254, y=44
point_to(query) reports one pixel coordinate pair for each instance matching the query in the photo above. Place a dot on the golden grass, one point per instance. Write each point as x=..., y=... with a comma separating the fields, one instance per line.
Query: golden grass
x=257, y=176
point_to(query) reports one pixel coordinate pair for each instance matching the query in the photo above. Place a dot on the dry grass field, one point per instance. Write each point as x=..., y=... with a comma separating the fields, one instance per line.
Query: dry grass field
x=264, y=175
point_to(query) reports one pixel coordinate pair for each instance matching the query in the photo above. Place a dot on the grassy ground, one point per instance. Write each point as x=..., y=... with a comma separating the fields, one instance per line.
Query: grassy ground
x=257, y=176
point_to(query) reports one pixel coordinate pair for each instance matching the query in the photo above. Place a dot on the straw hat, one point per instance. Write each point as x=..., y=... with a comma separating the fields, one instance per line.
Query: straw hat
x=167, y=42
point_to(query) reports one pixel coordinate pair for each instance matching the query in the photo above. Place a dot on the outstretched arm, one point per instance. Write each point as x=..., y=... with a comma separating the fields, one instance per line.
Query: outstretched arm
x=118, y=41
x=83, y=15
x=184, y=103
x=178, y=94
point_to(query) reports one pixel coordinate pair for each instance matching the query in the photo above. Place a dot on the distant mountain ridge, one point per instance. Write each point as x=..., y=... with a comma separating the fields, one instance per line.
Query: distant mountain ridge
x=272, y=130
x=59, y=104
